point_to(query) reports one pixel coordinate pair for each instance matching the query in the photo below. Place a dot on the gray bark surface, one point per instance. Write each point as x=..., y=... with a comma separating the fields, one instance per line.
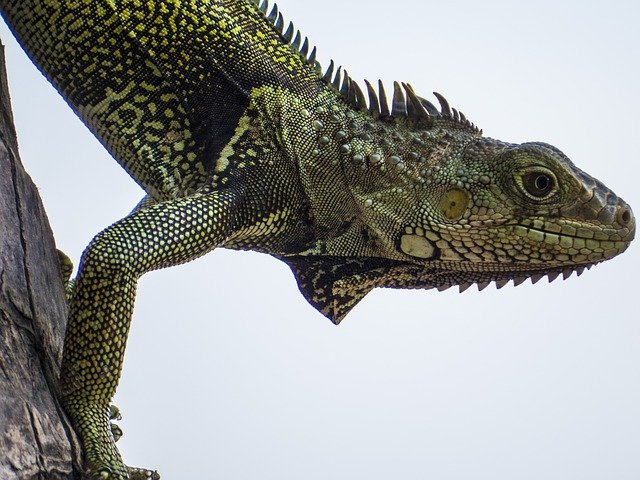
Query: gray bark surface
x=36, y=441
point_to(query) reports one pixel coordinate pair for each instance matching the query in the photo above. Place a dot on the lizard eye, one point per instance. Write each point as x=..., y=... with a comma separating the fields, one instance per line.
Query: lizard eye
x=538, y=184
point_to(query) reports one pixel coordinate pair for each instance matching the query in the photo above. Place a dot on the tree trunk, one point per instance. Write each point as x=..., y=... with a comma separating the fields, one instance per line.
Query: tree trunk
x=36, y=440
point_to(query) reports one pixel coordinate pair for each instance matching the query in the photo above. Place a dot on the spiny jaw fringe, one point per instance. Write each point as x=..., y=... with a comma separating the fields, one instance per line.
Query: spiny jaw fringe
x=520, y=279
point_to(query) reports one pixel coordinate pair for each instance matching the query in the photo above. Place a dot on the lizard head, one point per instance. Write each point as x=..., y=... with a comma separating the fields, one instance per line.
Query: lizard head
x=433, y=203
x=500, y=212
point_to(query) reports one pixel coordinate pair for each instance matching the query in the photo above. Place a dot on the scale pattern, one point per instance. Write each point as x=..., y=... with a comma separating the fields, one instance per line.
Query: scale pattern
x=222, y=115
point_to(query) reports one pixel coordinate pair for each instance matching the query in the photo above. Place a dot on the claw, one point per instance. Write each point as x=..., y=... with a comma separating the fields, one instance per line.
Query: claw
x=116, y=431
x=114, y=413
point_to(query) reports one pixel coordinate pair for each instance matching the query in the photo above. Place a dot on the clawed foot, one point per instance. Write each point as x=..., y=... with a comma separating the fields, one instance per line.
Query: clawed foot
x=103, y=461
x=133, y=474
x=105, y=465
x=142, y=474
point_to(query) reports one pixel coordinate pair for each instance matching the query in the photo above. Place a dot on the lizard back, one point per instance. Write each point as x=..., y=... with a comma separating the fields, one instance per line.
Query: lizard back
x=164, y=95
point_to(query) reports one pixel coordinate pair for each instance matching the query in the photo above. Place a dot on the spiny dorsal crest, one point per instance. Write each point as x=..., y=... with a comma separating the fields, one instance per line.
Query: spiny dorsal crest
x=404, y=104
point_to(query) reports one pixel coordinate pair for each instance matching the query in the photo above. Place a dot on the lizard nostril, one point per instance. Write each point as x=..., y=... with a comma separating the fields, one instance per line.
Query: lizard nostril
x=624, y=216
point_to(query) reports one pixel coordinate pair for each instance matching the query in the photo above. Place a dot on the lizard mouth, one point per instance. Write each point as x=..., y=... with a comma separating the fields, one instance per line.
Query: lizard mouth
x=566, y=254
x=582, y=247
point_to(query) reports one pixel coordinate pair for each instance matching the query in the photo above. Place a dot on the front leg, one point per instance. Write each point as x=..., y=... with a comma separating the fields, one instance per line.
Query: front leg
x=160, y=235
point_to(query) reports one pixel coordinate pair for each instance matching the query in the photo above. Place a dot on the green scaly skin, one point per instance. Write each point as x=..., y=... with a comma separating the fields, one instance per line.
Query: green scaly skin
x=222, y=116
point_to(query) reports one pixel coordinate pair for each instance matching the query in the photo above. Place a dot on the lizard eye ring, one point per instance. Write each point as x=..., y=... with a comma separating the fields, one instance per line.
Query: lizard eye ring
x=538, y=184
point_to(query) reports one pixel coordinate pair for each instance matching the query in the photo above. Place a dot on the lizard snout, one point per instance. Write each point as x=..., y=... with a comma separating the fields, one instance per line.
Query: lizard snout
x=624, y=217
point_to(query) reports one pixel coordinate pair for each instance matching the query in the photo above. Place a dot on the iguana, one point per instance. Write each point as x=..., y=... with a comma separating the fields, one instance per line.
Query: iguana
x=220, y=111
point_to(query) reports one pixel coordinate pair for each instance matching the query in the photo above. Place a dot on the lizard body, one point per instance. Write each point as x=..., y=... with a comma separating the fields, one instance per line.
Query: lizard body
x=219, y=112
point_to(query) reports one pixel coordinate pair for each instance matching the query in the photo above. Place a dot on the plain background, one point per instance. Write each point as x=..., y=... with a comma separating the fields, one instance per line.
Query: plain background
x=229, y=374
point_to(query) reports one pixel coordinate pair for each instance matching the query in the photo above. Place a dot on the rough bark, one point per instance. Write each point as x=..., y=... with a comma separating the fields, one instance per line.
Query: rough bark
x=36, y=441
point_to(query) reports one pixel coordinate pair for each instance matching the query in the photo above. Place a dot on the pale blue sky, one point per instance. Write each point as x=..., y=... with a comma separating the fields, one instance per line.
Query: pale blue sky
x=231, y=375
